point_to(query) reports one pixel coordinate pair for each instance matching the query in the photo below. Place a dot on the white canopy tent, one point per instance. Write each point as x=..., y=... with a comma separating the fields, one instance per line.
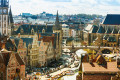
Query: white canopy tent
x=80, y=51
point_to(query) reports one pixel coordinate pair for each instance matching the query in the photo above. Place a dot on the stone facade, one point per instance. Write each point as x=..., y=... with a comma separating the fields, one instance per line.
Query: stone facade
x=33, y=52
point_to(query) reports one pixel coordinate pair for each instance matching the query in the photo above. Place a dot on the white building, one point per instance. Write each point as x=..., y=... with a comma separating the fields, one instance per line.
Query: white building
x=65, y=29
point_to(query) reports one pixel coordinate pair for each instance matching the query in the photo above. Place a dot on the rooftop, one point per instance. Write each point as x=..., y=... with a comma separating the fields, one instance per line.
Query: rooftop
x=112, y=19
x=111, y=67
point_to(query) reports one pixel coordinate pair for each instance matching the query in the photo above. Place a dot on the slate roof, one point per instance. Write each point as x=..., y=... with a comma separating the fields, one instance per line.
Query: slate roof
x=27, y=41
x=9, y=45
x=108, y=31
x=112, y=19
x=101, y=30
x=17, y=41
x=37, y=28
x=95, y=29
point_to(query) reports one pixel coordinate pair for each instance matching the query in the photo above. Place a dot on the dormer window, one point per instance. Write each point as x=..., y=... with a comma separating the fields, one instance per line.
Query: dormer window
x=43, y=30
x=32, y=31
x=22, y=31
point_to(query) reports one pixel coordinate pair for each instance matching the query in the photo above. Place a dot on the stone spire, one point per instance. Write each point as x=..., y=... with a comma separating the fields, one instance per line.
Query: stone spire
x=10, y=16
x=57, y=24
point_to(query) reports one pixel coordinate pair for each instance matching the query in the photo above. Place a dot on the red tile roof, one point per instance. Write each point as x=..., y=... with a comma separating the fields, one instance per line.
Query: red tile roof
x=111, y=67
x=48, y=39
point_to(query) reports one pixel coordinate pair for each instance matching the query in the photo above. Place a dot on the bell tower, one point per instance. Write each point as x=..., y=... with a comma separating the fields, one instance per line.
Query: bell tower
x=4, y=5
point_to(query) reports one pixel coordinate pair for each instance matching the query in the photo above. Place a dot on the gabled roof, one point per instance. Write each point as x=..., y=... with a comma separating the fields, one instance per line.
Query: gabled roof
x=101, y=30
x=37, y=28
x=108, y=31
x=20, y=61
x=89, y=27
x=112, y=19
x=17, y=41
x=9, y=45
x=27, y=41
x=5, y=57
x=95, y=29
x=114, y=31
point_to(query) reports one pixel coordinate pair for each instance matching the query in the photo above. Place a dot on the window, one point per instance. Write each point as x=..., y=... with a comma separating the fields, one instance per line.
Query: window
x=44, y=43
x=1, y=76
x=4, y=25
x=4, y=18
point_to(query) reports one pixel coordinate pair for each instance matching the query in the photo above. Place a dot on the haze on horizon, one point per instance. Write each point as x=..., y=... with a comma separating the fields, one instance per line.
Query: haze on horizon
x=101, y=7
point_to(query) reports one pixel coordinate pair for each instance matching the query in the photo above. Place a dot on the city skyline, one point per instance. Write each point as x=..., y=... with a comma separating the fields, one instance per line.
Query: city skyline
x=65, y=6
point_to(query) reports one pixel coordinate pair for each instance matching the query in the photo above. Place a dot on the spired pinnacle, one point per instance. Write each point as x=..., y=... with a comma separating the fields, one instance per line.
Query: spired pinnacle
x=10, y=16
x=57, y=24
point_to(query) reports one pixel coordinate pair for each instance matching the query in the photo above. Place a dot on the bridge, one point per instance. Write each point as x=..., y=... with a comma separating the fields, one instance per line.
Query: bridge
x=96, y=48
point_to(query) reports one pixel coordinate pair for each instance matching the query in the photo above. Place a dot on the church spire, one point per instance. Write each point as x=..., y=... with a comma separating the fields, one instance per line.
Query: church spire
x=10, y=16
x=57, y=24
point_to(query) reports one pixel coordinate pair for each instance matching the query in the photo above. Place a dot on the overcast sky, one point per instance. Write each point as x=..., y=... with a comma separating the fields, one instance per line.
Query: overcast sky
x=66, y=6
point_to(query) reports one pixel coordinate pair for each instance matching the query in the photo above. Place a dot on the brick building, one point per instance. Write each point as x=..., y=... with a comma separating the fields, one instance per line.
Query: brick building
x=11, y=66
x=99, y=69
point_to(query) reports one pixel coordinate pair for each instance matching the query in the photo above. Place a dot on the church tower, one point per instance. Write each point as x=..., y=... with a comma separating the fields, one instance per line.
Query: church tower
x=57, y=28
x=4, y=5
x=11, y=23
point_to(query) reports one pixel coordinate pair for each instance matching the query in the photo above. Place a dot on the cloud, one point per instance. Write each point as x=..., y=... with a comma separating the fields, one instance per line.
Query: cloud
x=66, y=6
x=59, y=0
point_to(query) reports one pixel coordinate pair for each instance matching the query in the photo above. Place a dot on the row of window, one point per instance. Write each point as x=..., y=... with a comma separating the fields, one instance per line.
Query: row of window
x=22, y=52
x=5, y=18
x=34, y=57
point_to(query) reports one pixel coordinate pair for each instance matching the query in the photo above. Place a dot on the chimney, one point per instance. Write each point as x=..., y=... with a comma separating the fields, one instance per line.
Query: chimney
x=18, y=35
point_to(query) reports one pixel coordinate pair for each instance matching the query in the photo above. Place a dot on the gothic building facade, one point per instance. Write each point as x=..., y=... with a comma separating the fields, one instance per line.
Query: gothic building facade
x=105, y=34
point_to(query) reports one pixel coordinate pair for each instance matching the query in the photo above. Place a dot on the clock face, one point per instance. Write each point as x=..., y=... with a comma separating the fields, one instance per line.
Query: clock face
x=4, y=10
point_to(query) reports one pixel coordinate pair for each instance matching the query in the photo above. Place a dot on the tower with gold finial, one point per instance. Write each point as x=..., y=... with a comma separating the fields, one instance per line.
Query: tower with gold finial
x=4, y=5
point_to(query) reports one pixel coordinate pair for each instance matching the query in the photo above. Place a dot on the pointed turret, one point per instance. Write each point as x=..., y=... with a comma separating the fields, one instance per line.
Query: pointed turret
x=57, y=24
x=10, y=16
